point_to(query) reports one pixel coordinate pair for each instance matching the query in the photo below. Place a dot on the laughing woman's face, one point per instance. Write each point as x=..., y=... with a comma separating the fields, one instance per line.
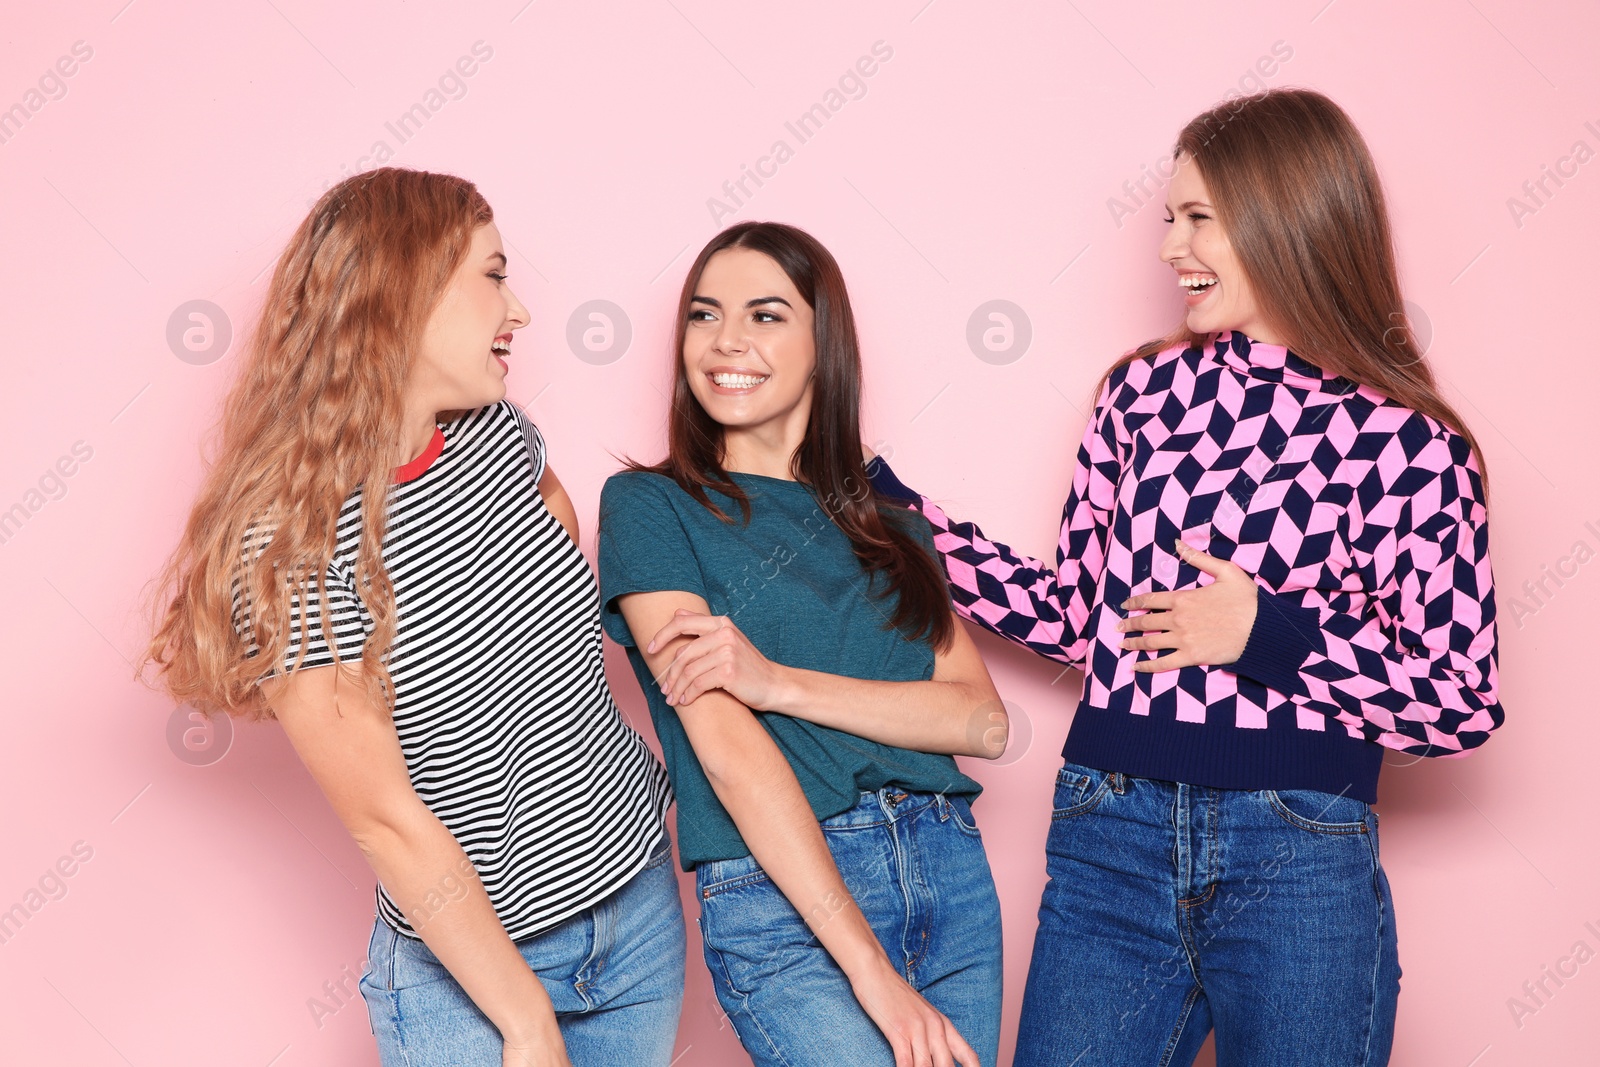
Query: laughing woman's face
x=748, y=347
x=1209, y=274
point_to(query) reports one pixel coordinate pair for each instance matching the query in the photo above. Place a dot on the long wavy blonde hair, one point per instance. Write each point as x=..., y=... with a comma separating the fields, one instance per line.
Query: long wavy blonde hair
x=315, y=413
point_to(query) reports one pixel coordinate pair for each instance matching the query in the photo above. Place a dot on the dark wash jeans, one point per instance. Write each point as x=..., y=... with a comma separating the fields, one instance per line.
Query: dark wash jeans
x=1174, y=909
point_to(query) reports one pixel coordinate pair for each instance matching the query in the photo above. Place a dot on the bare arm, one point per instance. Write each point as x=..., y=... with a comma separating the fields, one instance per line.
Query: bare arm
x=351, y=749
x=958, y=711
x=756, y=785
x=558, y=503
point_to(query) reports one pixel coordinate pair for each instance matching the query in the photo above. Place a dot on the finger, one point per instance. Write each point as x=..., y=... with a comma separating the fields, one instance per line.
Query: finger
x=1155, y=620
x=699, y=678
x=959, y=1048
x=1207, y=564
x=1150, y=641
x=939, y=1044
x=1170, y=662
x=681, y=624
x=671, y=678
x=1149, y=602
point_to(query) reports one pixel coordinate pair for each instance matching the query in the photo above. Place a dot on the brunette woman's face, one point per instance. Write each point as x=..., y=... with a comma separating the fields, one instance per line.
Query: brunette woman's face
x=748, y=347
x=1209, y=274
x=461, y=363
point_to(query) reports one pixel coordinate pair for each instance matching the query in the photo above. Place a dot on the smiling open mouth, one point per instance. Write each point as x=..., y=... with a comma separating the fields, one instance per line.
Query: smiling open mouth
x=1194, y=284
x=729, y=380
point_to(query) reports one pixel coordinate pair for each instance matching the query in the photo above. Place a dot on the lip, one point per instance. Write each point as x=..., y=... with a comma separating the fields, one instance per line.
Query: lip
x=1196, y=299
x=722, y=390
x=506, y=337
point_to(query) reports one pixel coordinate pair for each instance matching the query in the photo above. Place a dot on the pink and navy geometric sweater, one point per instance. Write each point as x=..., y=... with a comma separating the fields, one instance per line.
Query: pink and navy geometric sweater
x=1362, y=523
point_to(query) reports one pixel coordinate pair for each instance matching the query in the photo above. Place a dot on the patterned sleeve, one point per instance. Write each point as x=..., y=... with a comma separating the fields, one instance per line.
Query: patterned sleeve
x=1416, y=670
x=1043, y=608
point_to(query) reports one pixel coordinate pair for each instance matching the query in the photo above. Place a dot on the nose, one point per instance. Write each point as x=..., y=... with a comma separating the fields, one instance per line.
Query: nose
x=1175, y=245
x=731, y=339
x=516, y=312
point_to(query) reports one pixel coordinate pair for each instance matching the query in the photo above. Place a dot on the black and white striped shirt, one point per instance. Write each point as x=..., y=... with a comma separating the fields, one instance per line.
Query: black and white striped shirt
x=508, y=727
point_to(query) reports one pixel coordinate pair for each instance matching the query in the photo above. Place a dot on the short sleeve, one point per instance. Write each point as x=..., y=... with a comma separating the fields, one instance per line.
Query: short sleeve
x=643, y=545
x=317, y=624
x=532, y=438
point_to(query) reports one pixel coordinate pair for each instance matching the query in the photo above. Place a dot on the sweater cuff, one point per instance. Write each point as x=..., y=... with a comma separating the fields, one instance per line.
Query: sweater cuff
x=885, y=483
x=1283, y=637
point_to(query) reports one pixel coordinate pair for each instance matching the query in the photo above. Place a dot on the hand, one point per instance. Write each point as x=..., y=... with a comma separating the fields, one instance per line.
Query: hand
x=1209, y=625
x=916, y=1031
x=719, y=657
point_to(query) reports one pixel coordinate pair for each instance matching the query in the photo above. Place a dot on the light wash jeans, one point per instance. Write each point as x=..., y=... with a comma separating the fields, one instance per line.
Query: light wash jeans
x=915, y=864
x=614, y=972
x=1175, y=909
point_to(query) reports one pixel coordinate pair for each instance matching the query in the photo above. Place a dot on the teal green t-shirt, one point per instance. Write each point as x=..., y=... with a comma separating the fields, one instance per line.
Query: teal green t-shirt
x=790, y=581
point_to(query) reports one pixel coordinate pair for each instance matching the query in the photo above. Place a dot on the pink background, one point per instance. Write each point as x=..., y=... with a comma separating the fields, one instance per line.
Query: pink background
x=173, y=163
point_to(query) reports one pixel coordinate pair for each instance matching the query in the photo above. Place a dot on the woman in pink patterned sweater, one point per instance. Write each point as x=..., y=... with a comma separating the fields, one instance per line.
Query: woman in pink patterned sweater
x=1273, y=566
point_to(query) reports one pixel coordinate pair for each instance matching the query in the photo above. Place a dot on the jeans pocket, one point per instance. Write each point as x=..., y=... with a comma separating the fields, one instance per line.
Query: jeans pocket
x=1319, y=812
x=961, y=814
x=1078, y=789
x=716, y=877
x=412, y=965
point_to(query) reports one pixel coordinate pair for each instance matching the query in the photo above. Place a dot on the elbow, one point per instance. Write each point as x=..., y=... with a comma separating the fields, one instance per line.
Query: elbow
x=988, y=730
x=382, y=830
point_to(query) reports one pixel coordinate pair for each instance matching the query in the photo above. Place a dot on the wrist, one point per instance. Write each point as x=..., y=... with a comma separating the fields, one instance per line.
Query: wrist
x=788, y=689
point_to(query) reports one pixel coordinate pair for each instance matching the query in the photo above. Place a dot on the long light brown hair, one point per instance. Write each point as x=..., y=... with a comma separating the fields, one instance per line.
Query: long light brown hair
x=829, y=459
x=1299, y=197
x=315, y=413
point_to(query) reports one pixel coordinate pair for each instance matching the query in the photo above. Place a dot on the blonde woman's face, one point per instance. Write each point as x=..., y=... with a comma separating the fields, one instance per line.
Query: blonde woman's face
x=1208, y=272
x=463, y=359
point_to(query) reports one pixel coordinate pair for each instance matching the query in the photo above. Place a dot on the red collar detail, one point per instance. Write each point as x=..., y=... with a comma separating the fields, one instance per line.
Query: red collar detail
x=414, y=470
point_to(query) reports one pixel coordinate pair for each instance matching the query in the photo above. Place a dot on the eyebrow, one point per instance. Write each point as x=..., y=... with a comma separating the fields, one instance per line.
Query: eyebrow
x=697, y=299
x=1187, y=204
x=501, y=256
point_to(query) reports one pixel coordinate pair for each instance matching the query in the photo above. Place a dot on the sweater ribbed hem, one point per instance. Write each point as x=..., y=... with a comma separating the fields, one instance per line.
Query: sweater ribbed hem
x=1224, y=756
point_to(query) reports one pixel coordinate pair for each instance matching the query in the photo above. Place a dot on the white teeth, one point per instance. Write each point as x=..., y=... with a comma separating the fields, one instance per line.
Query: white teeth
x=738, y=381
x=501, y=346
x=1196, y=282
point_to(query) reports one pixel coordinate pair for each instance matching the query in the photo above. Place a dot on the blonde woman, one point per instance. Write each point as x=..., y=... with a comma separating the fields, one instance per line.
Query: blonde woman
x=382, y=560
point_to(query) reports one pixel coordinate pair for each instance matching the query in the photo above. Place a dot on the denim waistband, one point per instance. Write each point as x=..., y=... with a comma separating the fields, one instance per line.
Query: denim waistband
x=886, y=805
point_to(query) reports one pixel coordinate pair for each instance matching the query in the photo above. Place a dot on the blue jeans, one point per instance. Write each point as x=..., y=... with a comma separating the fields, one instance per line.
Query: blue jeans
x=1172, y=909
x=915, y=864
x=614, y=972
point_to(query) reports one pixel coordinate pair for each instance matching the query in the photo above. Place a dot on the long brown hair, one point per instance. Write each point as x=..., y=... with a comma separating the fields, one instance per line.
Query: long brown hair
x=1299, y=197
x=315, y=412
x=829, y=459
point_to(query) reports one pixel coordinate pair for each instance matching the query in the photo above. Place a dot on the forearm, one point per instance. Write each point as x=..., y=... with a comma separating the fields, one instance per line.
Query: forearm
x=756, y=785
x=430, y=878
x=1400, y=694
x=948, y=717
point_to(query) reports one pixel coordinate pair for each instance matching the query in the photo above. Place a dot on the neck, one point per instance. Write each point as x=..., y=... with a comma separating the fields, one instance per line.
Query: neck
x=767, y=449
x=416, y=430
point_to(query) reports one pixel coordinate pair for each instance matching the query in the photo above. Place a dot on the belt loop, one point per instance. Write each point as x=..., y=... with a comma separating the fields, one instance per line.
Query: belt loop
x=1119, y=783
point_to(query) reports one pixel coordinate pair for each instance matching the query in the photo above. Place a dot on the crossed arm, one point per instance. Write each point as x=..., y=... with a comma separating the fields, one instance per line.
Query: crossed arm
x=756, y=785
